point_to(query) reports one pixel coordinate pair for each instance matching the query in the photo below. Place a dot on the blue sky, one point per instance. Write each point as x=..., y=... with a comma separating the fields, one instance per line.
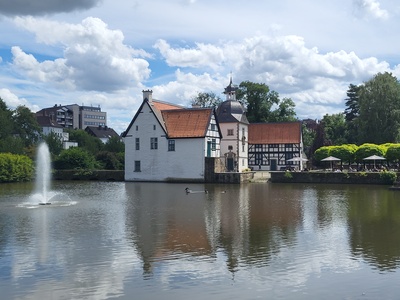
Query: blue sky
x=103, y=52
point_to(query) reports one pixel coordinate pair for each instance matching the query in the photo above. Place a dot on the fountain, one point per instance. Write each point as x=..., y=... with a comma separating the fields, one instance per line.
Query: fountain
x=43, y=174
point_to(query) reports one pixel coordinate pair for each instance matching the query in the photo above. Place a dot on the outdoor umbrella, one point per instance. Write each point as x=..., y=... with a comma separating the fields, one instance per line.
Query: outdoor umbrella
x=374, y=158
x=331, y=159
x=298, y=159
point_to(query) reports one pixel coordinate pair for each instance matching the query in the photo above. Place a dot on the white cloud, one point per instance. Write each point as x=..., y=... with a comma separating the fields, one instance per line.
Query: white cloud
x=95, y=57
x=13, y=101
x=370, y=9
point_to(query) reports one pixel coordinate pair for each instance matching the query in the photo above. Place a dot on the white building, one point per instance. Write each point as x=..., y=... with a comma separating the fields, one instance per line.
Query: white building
x=234, y=127
x=166, y=142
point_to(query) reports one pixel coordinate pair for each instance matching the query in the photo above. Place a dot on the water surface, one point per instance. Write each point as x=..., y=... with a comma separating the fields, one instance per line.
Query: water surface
x=153, y=241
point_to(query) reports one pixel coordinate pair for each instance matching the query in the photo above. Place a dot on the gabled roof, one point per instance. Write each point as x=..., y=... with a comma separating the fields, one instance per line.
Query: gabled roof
x=275, y=133
x=101, y=132
x=187, y=123
x=47, y=121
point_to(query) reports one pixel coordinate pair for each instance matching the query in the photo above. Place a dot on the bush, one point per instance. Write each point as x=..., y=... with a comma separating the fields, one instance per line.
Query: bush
x=14, y=168
x=388, y=177
x=109, y=161
x=75, y=158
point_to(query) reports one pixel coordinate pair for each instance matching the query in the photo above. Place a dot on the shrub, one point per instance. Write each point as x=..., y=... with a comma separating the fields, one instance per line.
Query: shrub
x=388, y=177
x=14, y=167
x=75, y=158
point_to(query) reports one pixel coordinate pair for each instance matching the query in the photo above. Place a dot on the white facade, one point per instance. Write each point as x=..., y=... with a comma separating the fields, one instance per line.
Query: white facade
x=235, y=141
x=151, y=156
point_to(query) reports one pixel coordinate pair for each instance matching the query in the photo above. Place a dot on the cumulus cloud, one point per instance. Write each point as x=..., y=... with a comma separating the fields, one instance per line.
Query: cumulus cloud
x=95, y=57
x=43, y=7
x=13, y=101
x=370, y=9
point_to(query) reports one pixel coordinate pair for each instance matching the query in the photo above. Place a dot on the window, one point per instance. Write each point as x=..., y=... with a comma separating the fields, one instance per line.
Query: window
x=153, y=143
x=230, y=131
x=154, y=127
x=213, y=144
x=137, y=166
x=230, y=147
x=171, y=145
x=137, y=143
x=213, y=127
x=137, y=127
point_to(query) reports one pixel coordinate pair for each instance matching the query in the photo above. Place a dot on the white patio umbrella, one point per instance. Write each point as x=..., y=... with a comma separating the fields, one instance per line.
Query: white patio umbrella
x=298, y=159
x=331, y=159
x=374, y=158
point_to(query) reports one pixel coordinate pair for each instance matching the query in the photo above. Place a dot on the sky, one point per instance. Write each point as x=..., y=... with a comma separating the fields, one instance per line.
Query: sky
x=106, y=52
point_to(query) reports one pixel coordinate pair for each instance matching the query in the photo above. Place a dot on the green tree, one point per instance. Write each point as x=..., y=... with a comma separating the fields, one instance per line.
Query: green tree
x=26, y=125
x=109, y=160
x=6, y=121
x=366, y=150
x=335, y=129
x=54, y=142
x=393, y=153
x=285, y=111
x=322, y=152
x=209, y=99
x=258, y=99
x=345, y=152
x=352, y=112
x=75, y=158
x=379, y=103
x=114, y=144
x=85, y=140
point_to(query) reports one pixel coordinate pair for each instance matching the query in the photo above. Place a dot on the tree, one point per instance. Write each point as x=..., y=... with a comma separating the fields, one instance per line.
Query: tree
x=26, y=125
x=209, y=99
x=6, y=122
x=285, y=111
x=85, y=140
x=258, y=100
x=75, y=158
x=352, y=112
x=379, y=104
x=335, y=129
x=264, y=105
x=393, y=153
x=366, y=150
x=114, y=144
x=54, y=142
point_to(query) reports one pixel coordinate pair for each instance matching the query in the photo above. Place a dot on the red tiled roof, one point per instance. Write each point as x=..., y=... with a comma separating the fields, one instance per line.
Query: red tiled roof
x=185, y=123
x=275, y=133
x=165, y=105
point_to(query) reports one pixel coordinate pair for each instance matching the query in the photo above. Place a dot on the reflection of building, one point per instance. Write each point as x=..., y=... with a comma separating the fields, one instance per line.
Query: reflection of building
x=75, y=116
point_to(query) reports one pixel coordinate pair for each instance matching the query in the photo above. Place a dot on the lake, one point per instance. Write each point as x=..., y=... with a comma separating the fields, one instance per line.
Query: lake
x=117, y=240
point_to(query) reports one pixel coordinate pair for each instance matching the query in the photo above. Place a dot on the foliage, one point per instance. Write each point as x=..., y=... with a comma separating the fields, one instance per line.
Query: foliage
x=288, y=175
x=366, y=150
x=114, y=144
x=345, y=152
x=352, y=112
x=379, y=104
x=335, y=129
x=109, y=161
x=393, y=152
x=321, y=153
x=54, y=142
x=15, y=167
x=12, y=144
x=209, y=99
x=85, y=140
x=75, y=158
x=6, y=123
x=388, y=177
x=26, y=125
x=308, y=138
x=260, y=101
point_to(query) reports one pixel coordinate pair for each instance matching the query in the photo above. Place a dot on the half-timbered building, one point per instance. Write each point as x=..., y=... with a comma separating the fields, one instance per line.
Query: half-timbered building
x=271, y=145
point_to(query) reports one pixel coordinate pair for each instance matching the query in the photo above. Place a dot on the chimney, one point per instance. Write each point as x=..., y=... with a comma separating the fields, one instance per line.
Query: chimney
x=148, y=94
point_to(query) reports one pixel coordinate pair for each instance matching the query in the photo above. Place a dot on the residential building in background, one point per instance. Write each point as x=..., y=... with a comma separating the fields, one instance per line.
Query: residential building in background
x=74, y=116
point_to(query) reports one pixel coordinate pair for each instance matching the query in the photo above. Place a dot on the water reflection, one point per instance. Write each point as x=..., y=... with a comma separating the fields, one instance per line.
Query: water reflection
x=154, y=241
